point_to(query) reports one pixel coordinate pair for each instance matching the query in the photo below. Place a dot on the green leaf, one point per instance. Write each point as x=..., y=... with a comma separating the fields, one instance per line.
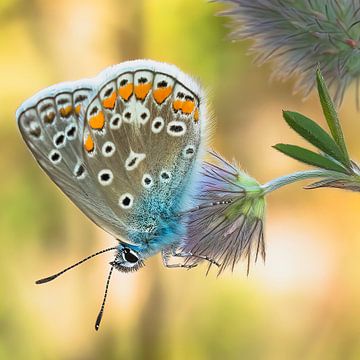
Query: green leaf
x=313, y=133
x=309, y=157
x=331, y=115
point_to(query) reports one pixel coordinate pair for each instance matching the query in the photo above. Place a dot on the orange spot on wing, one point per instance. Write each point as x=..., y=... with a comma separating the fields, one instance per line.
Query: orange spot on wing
x=66, y=111
x=97, y=121
x=89, y=144
x=188, y=107
x=161, y=94
x=178, y=104
x=196, y=115
x=109, y=103
x=126, y=91
x=49, y=117
x=142, y=90
x=77, y=109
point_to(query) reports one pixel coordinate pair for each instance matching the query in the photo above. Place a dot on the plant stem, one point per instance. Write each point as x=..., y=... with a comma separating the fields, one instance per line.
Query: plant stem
x=299, y=176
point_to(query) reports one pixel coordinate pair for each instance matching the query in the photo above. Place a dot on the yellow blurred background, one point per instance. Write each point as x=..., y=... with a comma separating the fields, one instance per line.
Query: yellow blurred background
x=304, y=303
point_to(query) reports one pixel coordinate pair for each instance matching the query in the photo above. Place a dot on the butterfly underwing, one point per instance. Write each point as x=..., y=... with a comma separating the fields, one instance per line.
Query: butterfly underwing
x=124, y=147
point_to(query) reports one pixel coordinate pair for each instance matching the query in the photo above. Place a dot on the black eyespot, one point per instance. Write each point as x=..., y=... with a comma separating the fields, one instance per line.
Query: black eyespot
x=132, y=162
x=189, y=151
x=123, y=82
x=180, y=95
x=143, y=80
x=80, y=98
x=59, y=140
x=108, y=148
x=143, y=115
x=162, y=83
x=55, y=156
x=157, y=124
x=127, y=115
x=71, y=131
x=147, y=181
x=164, y=175
x=63, y=101
x=94, y=110
x=130, y=257
x=79, y=171
x=176, y=128
x=105, y=177
x=108, y=92
x=115, y=121
x=126, y=201
x=44, y=107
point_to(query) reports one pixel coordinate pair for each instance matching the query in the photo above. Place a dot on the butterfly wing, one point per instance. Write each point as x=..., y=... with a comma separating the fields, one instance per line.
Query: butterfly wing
x=145, y=135
x=131, y=162
x=51, y=125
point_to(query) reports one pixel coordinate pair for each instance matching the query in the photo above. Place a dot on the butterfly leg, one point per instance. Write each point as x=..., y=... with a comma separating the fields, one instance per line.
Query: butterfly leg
x=190, y=254
x=165, y=258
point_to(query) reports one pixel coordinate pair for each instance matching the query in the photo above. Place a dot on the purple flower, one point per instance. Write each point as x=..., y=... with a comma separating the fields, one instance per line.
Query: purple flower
x=227, y=225
x=299, y=35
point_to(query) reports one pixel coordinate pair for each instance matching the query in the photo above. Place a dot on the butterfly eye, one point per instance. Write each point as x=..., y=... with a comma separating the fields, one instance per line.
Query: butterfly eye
x=130, y=256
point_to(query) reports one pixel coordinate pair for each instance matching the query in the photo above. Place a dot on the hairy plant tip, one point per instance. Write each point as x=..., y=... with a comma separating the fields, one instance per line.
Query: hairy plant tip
x=299, y=35
x=227, y=225
x=345, y=182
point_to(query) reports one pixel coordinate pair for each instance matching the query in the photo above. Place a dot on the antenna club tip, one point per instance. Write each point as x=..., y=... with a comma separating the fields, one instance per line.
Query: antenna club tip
x=47, y=279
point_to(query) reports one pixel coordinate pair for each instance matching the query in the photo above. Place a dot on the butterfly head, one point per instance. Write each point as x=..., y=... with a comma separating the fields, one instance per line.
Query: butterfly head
x=127, y=259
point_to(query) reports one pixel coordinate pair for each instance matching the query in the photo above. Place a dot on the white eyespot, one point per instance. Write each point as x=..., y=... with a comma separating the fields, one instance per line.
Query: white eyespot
x=143, y=115
x=55, y=157
x=157, y=125
x=147, y=181
x=59, y=139
x=176, y=128
x=71, y=131
x=115, y=122
x=79, y=171
x=105, y=177
x=165, y=176
x=126, y=201
x=133, y=160
x=128, y=115
x=188, y=152
x=108, y=149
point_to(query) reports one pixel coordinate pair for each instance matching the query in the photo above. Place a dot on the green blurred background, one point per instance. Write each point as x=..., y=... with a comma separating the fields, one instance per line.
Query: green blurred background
x=302, y=304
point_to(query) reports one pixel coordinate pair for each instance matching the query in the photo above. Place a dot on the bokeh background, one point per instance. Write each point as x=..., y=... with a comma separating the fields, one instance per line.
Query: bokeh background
x=304, y=303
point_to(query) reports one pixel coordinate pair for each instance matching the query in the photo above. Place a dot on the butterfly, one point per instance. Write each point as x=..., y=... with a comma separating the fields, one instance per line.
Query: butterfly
x=127, y=148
